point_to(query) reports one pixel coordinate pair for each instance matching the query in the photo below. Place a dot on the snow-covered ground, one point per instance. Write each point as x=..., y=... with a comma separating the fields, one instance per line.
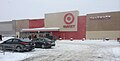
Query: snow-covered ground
x=65, y=50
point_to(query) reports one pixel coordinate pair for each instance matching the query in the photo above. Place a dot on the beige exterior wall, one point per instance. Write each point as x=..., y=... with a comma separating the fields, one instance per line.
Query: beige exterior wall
x=103, y=25
x=21, y=24
x=102, y=34
x=94, y=23
x=18, y=34
x=57, y=20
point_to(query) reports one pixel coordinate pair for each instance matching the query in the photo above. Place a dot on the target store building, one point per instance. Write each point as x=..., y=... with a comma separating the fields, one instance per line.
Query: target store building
x=63, y=25
x=66, y=25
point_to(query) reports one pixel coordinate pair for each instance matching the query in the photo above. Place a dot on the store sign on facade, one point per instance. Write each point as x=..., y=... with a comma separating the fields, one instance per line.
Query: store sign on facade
x=69, y=19
x=100, y=17
x=66, y=21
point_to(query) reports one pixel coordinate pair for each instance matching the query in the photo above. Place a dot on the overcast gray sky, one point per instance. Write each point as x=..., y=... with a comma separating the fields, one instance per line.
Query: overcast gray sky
x=26, y=9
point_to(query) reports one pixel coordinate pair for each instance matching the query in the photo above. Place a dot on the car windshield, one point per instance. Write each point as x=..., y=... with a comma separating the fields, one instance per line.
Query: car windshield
x=39, y=39
x=47, y=39
x=25, y=40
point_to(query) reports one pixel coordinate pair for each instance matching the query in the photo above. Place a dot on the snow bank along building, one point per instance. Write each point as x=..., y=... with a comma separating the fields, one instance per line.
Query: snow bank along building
x=67, y=25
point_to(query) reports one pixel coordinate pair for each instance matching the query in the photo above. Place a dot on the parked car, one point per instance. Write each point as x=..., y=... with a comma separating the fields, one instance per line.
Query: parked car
x=43, y=42
x=18, y=44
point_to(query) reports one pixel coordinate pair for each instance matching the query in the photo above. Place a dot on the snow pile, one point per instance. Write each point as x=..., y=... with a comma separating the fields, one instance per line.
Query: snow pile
x=97, y=42
x=5, y=38
x=9, y=56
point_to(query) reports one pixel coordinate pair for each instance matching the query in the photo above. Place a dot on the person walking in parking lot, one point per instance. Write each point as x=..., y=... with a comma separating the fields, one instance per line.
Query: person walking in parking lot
x=0, y=37
x=30, y=37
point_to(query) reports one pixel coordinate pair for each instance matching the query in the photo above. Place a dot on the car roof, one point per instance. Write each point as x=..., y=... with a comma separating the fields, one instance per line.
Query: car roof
x=13, y=38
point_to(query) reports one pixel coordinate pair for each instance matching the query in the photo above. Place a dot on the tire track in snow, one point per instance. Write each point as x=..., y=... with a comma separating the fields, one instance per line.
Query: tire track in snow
x=77, y=52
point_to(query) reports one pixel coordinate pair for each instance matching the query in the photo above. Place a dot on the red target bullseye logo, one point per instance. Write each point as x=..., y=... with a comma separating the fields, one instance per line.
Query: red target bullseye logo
x=69, y=18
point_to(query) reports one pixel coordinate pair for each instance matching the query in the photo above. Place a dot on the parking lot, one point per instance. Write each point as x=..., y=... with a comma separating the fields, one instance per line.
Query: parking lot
x=65, y=50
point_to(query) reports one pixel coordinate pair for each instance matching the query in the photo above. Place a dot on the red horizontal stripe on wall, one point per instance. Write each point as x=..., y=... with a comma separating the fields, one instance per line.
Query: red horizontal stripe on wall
x=36, y=23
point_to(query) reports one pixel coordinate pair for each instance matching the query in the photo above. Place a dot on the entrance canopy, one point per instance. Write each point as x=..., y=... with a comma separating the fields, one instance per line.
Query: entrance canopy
x=41, y=29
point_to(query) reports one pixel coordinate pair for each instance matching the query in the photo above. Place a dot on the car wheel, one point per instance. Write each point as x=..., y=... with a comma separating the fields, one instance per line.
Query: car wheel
x=18, y=49
x=50, y=47
x=43, y=46
x=30, y=49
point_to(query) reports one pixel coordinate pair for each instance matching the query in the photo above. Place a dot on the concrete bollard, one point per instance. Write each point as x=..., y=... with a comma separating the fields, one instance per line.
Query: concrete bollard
x=60, y=38
x=71, y=39
x=83, y=39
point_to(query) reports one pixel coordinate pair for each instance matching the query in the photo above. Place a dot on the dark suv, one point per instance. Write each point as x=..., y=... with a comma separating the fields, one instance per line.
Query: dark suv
x=18, y=44
x=43, y=42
